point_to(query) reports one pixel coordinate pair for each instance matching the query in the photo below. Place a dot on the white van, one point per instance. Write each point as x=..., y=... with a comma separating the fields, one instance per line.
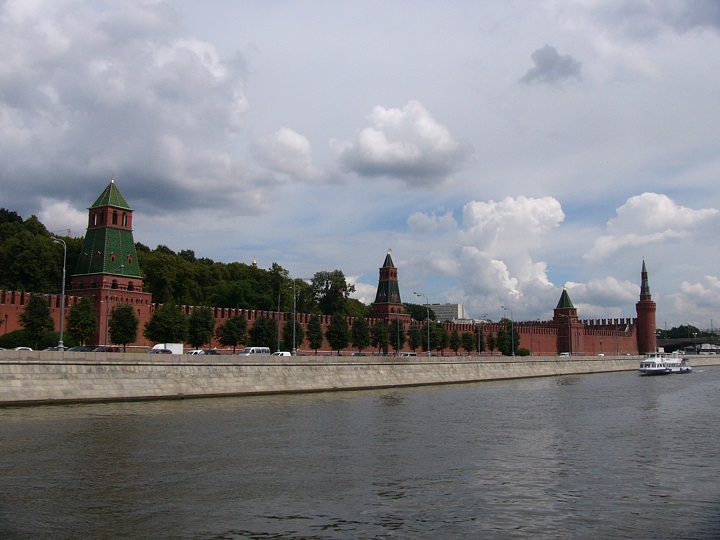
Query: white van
x=251, y=351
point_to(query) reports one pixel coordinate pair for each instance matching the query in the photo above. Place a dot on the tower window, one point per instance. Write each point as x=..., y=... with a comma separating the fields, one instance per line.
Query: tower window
x=114, y=218
x=124, y=220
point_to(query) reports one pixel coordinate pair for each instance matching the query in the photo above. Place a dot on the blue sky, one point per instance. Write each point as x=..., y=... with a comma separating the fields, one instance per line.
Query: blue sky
x=503, y=150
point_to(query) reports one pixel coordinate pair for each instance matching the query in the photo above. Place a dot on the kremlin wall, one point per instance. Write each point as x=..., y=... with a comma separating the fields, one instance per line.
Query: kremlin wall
x=109, y=272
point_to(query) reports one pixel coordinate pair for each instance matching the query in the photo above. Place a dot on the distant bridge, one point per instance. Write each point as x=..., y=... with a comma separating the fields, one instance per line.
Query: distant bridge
x=687, y=342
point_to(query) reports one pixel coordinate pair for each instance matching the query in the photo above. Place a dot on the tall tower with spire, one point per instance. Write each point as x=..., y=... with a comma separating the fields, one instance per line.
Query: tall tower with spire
x=646, y=326
x=570, y=329
x=387, y=303
x=107, y=268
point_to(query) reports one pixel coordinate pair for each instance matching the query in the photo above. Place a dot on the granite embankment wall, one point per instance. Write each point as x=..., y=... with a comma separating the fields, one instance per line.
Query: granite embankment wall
x=74, y=377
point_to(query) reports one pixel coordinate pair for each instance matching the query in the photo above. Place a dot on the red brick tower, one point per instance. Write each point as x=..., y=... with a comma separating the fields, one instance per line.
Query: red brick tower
x=107, y=269
x=388, y=305
x=646, y=337
x=570, y=329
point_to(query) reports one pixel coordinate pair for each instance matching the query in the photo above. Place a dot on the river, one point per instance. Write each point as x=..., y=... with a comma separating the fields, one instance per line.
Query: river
x=594, y=456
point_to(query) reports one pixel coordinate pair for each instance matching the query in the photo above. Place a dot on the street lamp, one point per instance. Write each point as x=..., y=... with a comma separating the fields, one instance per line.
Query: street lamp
x=62, y=292
x=427, y=321
x=512, y=330
x=485, y=316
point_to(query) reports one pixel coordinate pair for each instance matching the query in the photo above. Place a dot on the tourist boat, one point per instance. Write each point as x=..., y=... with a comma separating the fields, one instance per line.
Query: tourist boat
x=662, y=364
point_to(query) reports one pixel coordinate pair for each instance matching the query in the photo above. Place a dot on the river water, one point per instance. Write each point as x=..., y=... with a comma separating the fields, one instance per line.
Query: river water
x=593, y=456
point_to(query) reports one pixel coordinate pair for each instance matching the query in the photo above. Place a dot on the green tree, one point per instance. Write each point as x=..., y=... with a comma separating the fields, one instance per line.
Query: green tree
x=360, y=334
x=201, y=325
x=82, y=321
x=415, y=338
x=491, y=342
x=418, y=312
x=232, y=332
x=264, y=333
x=123, y=325
x=287, y=337
x=379, y=336
x=168, y=324
x=315, y=333
x=397, y=335
x=331, y=292
x=468, y=341
x=338, y=333
x=454, y=343
x=439, y=337
x=36, y=318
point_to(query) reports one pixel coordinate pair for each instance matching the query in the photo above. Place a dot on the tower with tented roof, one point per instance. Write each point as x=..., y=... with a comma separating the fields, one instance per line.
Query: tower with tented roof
x=645, y=308
x=107, y=268
x=387, y=304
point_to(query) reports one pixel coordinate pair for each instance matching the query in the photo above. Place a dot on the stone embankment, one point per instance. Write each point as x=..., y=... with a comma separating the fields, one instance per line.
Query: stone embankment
x=29, y=377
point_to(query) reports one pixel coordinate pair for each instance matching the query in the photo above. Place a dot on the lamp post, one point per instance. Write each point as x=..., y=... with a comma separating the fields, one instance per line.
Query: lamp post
x=485, y=316
x=62, y=292
x=512, y=330
x=427, y=320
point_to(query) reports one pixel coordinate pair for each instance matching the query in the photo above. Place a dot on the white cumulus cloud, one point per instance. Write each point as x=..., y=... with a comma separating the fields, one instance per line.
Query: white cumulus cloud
x=407, y=144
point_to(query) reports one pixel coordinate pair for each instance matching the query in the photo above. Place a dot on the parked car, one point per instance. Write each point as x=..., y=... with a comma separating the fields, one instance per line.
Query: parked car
x=160, y=351
x=81, y=348
x=106, y=348
x=210, y=351
x=56, y=348
x=194, y=351
x=22, y=349
x=281, y=353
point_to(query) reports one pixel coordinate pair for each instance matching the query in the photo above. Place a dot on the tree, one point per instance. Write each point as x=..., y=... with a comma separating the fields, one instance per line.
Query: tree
x=338, y=333
x=380, y=337
x=201, y=325
x=468, y=341
x=82, y=321
x=331, y=291
x=232, y=332
x=397, y=335
x=491, y=343
x=287, y=337
x=454, y=341
x=360, y=334
x=439, y=337
x=36, y=319
x=123, y=325
x=168, y=324
x=418, y=312
x=264, y=333
x=415, y=338
x=315, y=333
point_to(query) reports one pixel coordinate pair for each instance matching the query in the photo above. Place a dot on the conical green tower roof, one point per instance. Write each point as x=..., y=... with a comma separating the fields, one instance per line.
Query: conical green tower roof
x=565, y=302
x=111, y=196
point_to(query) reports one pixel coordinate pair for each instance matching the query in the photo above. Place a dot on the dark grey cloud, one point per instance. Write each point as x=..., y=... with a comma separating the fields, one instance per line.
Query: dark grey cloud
x=551, y=67
x=89, y=90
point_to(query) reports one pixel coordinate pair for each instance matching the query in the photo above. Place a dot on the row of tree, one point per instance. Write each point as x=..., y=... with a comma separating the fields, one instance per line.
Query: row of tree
x=31, y=261
x=169, y=324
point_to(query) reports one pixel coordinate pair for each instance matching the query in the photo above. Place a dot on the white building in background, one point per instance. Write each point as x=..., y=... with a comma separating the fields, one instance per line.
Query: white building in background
x=447, y=312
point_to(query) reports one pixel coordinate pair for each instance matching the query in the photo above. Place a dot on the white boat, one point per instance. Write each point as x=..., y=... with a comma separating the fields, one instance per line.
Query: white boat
x=663, y=364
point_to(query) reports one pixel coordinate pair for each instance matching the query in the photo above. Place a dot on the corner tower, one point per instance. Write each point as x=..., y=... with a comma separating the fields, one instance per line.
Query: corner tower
x=646, y=337
x=570, y=329
x=107, y=268
x=387, y=303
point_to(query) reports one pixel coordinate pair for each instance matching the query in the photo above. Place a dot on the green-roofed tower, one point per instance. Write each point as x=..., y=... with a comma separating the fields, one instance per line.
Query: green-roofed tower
x=570, y=329
x=387, y=303
x=107, y=267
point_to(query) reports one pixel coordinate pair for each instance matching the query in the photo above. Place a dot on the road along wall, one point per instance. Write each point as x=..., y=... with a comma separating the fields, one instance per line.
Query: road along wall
x=131, y=377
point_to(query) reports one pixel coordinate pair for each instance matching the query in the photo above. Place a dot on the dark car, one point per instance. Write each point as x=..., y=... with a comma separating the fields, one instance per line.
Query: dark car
x=106, y=348
x=81, y=348
x=210, y=351
x=160, y=351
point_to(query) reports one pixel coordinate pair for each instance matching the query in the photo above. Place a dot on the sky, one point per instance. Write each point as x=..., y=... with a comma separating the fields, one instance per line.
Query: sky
x=502, y=150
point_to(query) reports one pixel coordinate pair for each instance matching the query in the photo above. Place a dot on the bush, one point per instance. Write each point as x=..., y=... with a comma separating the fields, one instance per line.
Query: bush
x=523, y=352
